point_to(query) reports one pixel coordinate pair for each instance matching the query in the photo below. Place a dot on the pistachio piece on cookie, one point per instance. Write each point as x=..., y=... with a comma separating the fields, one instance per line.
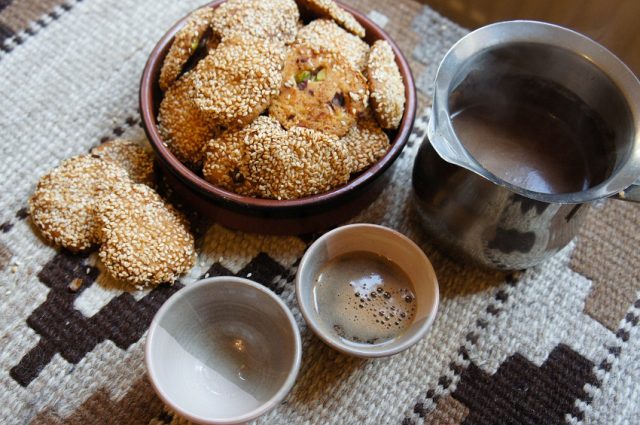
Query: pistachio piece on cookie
x=321, y=90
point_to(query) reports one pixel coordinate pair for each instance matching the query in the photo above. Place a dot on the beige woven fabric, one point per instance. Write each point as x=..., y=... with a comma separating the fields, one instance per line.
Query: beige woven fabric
x=557, y=343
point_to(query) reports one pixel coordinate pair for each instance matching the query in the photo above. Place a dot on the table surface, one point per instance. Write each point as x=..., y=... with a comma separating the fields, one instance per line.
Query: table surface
x=559, y=342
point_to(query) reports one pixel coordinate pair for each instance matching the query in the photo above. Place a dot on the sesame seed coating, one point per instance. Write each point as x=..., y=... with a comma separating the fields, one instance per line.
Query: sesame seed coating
x=184, y=45
x=266, y=161
x=323, y=33
x=63, y=204
x=271, y=19
x=386, y=85
x=329, y=9
x=237, y=81
x=145, y=241
x=366, y=143
x=136, y=160
x=183, y=127
x=321, y=90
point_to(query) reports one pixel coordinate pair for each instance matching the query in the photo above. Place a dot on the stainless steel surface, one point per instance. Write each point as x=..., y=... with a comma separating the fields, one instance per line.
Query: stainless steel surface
x=476, y=220
x=475, y=214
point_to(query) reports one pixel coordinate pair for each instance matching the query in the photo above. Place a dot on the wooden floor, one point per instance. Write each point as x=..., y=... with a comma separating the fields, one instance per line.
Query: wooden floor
x=613, y=23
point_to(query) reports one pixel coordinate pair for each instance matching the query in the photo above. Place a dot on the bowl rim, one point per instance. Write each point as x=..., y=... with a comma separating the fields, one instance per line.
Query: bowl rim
x=202, y=285
x=393, y=348
x=202, y=186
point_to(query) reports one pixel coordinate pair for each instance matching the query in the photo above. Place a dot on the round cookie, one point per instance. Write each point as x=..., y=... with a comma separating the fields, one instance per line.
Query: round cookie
x=329, y=9
x=386, y=85
x=145, y=241
x=271, y=19
x=135, y=159
x=184, y=44
x=323, y=33
x=237, y=81
x=321, y=90
x=366, y=143
x=266, y=161
x=183, y=127
x=63, y=204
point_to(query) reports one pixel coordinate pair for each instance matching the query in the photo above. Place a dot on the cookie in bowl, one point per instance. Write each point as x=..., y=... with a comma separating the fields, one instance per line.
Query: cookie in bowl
x=321, y=90
x=275, y=180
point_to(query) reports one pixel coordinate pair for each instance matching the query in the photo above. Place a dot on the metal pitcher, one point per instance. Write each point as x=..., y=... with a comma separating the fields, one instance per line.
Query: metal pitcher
x=474, y=214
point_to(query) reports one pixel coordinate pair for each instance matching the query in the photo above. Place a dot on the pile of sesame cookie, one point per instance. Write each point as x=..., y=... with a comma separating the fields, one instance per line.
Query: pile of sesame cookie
x=266, y=105
x=106, y=199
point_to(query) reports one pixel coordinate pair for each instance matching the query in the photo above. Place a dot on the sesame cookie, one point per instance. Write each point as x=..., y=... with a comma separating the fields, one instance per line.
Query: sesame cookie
x=62, y=206
x=145, y=241
x=386, y=85
x=329, y=9
x=323, y=33
x=366, y=143
x=135, y=159
x=183, y=127
x=236, y=82
x=271, y=19
x=266, y=161
x=184, y=44
x=321, y=90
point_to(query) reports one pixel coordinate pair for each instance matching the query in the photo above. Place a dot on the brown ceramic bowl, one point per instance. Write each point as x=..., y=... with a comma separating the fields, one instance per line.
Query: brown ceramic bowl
x=298, y=216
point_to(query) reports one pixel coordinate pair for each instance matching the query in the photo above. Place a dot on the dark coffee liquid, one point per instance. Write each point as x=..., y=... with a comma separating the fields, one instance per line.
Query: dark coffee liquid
x=533, y=134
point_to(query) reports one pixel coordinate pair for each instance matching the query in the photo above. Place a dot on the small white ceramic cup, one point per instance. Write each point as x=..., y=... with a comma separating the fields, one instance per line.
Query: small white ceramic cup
x=223, y=350
x=378, y=240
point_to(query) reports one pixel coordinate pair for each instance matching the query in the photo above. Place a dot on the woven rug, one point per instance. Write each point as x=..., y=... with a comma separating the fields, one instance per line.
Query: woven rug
x=556, y=343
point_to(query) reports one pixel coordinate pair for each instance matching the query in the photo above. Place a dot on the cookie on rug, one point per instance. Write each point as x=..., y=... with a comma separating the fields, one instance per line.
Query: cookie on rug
x=321, y=90
x=330, y=9
x=145, y=240
x=184, y=44
x=386, y=85
x=271, y=19
x=366, y=143
x=301, y=161
x=63, y=204
x=136, y=160
x=183, y=127
x=323, y=33
x=236, y=82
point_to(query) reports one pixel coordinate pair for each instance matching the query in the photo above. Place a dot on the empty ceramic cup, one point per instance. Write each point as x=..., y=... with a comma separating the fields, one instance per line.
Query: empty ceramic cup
x=223, y=351
x=367, y=290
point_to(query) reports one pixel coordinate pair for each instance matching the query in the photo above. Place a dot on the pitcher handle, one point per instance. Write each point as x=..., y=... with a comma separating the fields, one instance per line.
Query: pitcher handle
x=632, y=193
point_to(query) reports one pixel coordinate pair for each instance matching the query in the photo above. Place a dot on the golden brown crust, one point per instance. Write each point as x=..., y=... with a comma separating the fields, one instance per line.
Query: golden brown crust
x=136, y=160
x=326, y=34
x=271, y=19
x=386, y=85
x=184, y=45
x=266, y=161
x=63, y=204
x=237, y=81
x=145, y=241
x=366, y=143
x=183, y=126
x=329, y=9
x=321, y=90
